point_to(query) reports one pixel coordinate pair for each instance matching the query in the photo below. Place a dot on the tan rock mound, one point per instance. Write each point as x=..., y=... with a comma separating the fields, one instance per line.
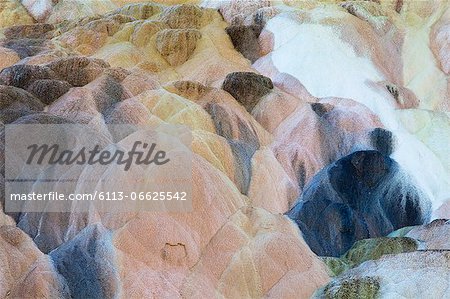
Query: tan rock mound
x=13, y=13
x=183, y=16
x=247, y=88
x=177, y=45
x=262, y=247
x=140, y=10
x=7, y=57
x=406, y=274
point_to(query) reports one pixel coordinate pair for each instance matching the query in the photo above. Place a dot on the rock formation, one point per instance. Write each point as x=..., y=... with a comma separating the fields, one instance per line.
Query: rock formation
x=319, y=133
x=360, y=196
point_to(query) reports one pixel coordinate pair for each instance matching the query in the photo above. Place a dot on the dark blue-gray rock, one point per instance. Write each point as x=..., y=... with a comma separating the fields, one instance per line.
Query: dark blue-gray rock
x=363, y=195
x=320, y=109
x=223, y=121
x=242, y=153
x=39, y=226
x=382, y=140
x=87, y=264
x=247, y=87
x=48, y=230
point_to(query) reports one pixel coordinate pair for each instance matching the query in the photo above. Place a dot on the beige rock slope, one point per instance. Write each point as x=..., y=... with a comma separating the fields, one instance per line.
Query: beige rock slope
x=26, y=271
x=153, y=64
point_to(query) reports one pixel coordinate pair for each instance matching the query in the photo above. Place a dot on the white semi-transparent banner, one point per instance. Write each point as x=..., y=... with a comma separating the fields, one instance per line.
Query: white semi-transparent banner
x=75, y=168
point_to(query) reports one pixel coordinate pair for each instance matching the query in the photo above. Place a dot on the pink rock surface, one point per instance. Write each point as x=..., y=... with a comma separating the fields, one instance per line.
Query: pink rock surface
x=316, y=82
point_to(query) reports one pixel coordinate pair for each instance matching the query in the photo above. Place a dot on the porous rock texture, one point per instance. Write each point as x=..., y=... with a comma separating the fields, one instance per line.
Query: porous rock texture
x=247, y=87
x=320, y=142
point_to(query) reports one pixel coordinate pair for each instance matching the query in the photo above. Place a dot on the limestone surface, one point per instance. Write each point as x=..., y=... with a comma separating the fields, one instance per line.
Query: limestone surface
x=319, y=133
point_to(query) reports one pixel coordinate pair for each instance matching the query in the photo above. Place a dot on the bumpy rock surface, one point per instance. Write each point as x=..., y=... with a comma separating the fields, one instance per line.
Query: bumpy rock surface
x=345, y=200
x=48, y=90
x=431, y=236
x=182, y=16
x=245, y=40
x=177, y=45
x=335, y=113
x=29, y=31
x=23, y=75
x=13, y=13
x=370, y=249
x=247, y=88
x=26, y=271
x=16, y=98
x=406, y=274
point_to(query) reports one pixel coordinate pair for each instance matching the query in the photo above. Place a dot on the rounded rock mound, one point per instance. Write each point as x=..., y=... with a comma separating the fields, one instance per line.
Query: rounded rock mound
x=363, y=195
